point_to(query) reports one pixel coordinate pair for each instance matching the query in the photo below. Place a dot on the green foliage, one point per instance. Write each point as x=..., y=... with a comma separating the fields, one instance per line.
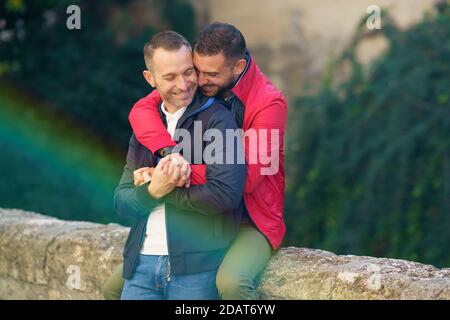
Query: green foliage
x=369, y=163
x=52, y=167
x=88, y=80
x=180, y=15
x=90, y=74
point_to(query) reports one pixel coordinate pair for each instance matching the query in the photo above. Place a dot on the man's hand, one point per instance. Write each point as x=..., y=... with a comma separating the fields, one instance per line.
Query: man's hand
x=142, y=175
x=170, y=172
x=170, y=168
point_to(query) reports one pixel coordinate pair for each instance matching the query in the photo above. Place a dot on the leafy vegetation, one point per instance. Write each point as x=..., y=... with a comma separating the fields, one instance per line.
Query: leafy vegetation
x=369, y=163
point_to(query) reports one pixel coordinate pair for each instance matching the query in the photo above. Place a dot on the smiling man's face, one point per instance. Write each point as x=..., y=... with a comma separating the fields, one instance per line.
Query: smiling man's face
x=173, y=74
x=216, y=75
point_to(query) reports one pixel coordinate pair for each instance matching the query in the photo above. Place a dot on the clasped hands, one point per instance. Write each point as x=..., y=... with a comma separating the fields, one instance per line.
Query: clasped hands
x=172, y=171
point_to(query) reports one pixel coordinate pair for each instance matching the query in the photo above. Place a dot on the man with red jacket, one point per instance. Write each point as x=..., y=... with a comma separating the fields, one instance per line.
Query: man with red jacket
x=226, y=70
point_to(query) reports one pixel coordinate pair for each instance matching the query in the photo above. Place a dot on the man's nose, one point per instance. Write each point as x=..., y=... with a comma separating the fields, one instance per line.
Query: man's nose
x=182, y=84
x=202, y=80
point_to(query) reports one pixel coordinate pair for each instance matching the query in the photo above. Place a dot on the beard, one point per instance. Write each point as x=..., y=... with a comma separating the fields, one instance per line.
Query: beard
x=222, y=91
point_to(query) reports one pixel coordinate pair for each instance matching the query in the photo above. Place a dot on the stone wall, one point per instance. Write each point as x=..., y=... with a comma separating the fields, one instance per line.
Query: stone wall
x=43, y=258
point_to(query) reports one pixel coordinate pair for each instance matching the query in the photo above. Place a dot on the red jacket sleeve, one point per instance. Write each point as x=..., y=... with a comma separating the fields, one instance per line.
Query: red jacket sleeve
x=150, y=131
x=144, y=113
x=264, y=143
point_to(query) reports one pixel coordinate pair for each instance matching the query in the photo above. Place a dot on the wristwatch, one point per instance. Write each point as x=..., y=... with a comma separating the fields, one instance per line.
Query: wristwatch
x=164, y=151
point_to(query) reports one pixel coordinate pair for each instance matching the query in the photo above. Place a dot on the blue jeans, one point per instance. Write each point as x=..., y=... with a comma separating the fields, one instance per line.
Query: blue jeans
x=150, y=282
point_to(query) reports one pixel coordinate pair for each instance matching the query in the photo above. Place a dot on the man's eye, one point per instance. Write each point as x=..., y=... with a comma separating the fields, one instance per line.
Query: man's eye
x=212, y=74
x=169, y=78
x=189, y=72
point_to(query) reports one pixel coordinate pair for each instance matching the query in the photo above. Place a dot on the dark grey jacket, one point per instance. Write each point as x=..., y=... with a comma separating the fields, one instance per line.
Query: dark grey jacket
x=202, y=220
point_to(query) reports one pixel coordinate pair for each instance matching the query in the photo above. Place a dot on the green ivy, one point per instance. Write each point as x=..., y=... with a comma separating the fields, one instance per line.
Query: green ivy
x=369, y=162
x=87, y=74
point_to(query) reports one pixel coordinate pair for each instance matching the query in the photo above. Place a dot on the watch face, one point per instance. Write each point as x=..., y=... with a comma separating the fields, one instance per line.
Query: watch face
x=165, y=151
x=160, y=152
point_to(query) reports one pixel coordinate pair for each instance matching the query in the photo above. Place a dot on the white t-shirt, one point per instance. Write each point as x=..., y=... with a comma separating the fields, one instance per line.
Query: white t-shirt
x=155, y=242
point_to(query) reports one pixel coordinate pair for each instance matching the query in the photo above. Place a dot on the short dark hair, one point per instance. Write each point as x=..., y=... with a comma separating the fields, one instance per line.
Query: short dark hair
x=218, y=38
x=168, y=40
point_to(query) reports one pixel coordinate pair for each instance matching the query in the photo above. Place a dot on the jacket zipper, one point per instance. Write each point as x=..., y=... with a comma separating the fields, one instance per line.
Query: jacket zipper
x=205, y=106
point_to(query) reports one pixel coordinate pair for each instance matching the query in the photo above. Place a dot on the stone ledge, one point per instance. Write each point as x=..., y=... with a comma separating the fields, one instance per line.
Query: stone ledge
x=38, y=255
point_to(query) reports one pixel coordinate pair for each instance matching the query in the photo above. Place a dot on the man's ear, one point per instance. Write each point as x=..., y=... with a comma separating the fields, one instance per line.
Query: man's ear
x=239, y=66
x=149, y=78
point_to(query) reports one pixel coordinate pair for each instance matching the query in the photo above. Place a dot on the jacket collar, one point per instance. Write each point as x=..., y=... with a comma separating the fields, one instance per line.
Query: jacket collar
x=198, y=101
x=245, y=81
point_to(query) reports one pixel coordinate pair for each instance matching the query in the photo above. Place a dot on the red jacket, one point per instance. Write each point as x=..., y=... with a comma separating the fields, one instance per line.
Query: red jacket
x=265, y=108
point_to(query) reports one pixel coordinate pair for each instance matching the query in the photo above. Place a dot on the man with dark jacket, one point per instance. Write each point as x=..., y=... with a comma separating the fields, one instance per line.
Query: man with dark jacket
x=181, y=233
